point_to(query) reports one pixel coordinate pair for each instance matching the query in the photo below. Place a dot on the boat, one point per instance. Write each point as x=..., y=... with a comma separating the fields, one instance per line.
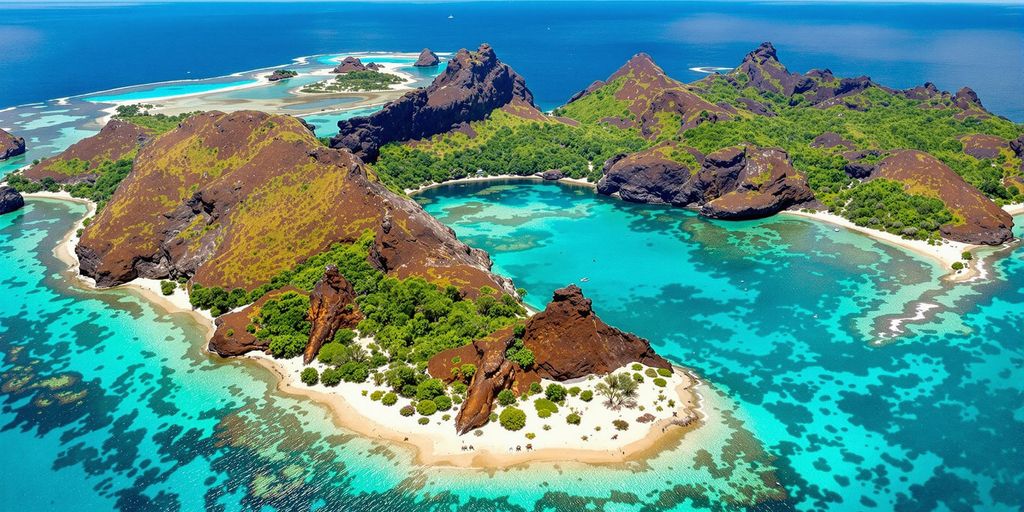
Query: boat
x=584, y=279
x=451, y=16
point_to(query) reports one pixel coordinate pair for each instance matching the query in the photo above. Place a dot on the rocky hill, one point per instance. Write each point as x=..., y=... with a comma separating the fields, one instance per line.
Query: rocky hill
x=83, y=160
x=10, y=145
x=231, y=200
x=568, y=341
x=473, y=85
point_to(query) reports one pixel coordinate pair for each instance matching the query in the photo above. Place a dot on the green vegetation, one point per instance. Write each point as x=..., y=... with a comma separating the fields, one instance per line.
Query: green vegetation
x=620, y=424
x=512, y=418
x=506, y=397
x=957, y=265
x=660, y=382
x=967, y=256
x=407, y=410
x=884, y=205
x=587, y=395
x=555, y=393
x=599, y=105
x=664, y=372
x=505, y=144
x=426, y=407
x=156, y=123
x=573, y=419
x=545, y=408
x=167, y=287
x=618, y=389
x=389, y=399
x=309, y=376
x=354, y=81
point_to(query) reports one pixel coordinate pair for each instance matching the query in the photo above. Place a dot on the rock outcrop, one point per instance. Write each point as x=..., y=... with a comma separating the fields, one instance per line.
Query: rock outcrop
x=232, y=337
x=978, y=219
x=473, y=85
x=983, y=146
x=427, y=59
x=117, y=140
x=10, y=145
x=552, y=174
x=10, y=200
x=733, y=183
x=829, y=140
x=230, y=200
x=281, y=74
x=349, y=64
x=331, y=307
x=568, y=341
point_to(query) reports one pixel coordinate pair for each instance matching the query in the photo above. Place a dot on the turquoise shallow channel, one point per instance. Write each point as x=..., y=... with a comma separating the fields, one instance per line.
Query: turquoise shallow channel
x=113, y=401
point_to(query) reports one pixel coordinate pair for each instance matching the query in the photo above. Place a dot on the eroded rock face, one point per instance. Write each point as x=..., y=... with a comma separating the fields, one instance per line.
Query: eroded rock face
x=830, y=140
x=349, y=64
x=857, y=166
x=427, y=59
x=647, y=177
x=983, y=221
x=230, y=200
x=10, y=145
x=331, y=307
x=494, y=373
x=732, y=183
x=983, y=146
x=10, y=200
x=473, y=84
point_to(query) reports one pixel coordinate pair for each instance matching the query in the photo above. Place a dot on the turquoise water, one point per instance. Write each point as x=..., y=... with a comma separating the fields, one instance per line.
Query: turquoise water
x=783, y=314
x=178, y=89
x=327, y=124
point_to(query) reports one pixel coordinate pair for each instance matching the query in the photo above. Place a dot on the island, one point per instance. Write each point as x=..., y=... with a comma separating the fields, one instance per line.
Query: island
x=309, y=257
x=10, y=145
x=281, y=74
x=427, y=59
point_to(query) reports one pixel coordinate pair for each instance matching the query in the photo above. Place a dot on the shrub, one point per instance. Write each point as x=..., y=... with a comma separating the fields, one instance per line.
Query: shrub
x=423, y=420
x=459, y=388
x=574, y=391
x=637, y=367
x=957, y=265
x=167, y=287
x=330, y=377
x=621, y=425
x=544, y=405
x=493, y=417
x=376, y=396
x=531, y=436
x=535, y=388
x=443, y=403
x=664, y=372
x=573, y=419
x=587, y=395
x=429, y=389
x=310, y=376
x=967, y=255
x=287, y=345
x=638, y=377
x=389, y=399
x=660, y=382
x=506, y=397
x=354, y=372
x=513, y=419
x=555, y=393
x=426, y=407
x=407, y=411
x=650, y=372
x=344, y=336
x=544, y=413
x=446, y=417
x=230, y=332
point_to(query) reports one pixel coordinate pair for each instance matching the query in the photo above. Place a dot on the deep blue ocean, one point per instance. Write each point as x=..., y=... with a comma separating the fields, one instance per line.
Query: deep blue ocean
x=560, y=47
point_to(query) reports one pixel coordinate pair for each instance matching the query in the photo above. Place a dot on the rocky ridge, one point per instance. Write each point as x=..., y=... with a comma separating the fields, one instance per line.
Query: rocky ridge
x=10, y=145
x=473, y=85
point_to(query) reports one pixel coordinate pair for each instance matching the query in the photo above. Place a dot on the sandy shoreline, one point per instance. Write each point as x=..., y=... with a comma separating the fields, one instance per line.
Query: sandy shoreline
x=498, y=177
x=437, y=450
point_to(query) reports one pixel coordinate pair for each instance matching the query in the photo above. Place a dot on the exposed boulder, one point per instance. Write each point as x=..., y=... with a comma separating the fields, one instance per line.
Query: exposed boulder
x=749, y=183
x=331, y=307
x=10, y=145
x=1017, y=146
x=349, y=64
x=427, y=59
x=978, y=219
x=473, y=85
x=858, y=166
x=648, y=176
x=281, y=74
x=830, y=140
x=10, y=200
x=552, y=174
x=494, y=373
x=757, y=107
x=983, y=146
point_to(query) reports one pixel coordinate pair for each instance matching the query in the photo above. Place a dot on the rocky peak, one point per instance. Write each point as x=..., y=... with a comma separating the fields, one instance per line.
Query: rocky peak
x=349, y=64
x=427, y=59
x=762, y=54
x=966, y=99
x=331, y=307
x=471, y=87
x=639, y=65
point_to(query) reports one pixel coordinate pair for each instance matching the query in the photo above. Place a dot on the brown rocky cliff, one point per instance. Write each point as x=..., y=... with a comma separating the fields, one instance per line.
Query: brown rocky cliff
x=232, y=337
x=473, y=85
x=648, y=176
x=10, y=145
x=349, y=64
x=230, y=200
x=331, y=307
x=427, y=59
x=494, y=373
x=10, y=200
x=979, y=220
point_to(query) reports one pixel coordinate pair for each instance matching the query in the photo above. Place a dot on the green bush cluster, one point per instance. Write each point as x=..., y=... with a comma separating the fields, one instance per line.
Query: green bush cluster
x=309, y=376
x=512, y=419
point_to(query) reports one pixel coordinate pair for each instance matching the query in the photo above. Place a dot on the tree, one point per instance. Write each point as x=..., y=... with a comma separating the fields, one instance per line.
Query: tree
x=310, y=376
x=429, y=389
x=957, y=265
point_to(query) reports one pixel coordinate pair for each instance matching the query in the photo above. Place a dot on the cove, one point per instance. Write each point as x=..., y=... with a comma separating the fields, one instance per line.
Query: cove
x=781, y=314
